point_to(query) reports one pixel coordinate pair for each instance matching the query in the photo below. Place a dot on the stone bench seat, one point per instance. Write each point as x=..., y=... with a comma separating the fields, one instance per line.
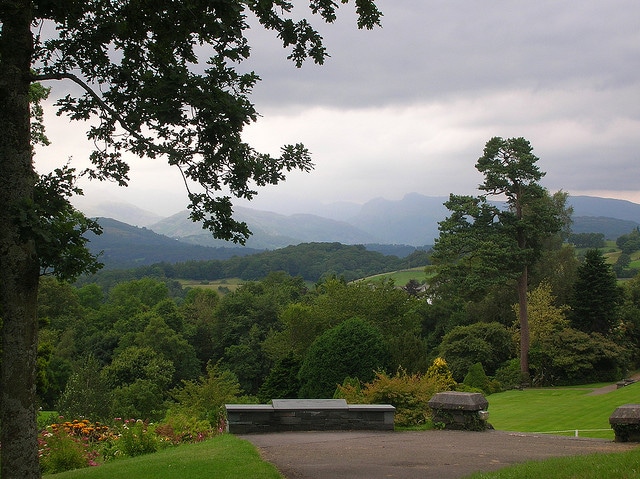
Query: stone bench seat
x=308, y=415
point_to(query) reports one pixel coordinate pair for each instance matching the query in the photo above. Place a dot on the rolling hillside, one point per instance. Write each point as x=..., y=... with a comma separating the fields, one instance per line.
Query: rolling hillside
x=413, y=220
x=391, y=227
x=125, y=246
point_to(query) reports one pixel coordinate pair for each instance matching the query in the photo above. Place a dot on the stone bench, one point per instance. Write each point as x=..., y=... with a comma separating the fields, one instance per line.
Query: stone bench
x=625, y=382
x=308, y=415
x=625, y=422
x=459, y=410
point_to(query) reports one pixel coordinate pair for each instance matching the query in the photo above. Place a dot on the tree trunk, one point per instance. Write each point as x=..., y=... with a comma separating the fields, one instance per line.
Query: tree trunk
x=523, y=314
x=19, y=266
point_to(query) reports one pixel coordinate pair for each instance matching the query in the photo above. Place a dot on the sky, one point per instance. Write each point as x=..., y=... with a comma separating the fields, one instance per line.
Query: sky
x=409, y=107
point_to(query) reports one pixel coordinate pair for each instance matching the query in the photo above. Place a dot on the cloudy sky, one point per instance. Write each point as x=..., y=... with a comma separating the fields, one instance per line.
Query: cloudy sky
x=408, y=107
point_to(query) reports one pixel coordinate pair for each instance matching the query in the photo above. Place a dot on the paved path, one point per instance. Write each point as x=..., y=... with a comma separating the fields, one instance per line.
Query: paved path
x=413, y=454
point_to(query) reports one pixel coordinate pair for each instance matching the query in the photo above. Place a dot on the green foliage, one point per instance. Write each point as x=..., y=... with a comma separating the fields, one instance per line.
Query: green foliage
x=629, y=243
x=354, y=348
x=596, y=297
x=135, y=438
x=408, y=393
x=282, y=381
x=509, y=376
x=135, y=363
x=86, y=393
x=142, y=398
x=200, y=321
x=481, y=245
x=173, y=90
x=439, y=372
x=172, y=346
x=545, y=318
x=587, y=240
x=245, y=317
x=59, y=229
x=204, y=399
x=140, y=294
x=575, y=357
x=486, y=343
x=179, y=428
x=477, y=378
x=62, y=452
x=311, y=261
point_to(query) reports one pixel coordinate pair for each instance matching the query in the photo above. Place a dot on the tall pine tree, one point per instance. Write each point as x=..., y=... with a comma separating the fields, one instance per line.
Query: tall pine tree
x=596, y=295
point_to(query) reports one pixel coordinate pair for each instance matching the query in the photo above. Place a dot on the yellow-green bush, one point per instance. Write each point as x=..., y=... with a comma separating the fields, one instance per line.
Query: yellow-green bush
x=409, y=393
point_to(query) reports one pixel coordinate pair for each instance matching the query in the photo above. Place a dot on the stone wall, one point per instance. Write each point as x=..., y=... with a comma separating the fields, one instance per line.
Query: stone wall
x=308, y=415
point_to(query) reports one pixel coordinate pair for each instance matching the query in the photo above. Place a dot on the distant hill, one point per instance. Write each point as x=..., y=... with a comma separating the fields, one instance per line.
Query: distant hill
x=124, y=212
x=407, y=223
x=611, y=228
x=610, y=217
x=311, y=261
x=605, y=208
x=270, y=230
x=126, y=246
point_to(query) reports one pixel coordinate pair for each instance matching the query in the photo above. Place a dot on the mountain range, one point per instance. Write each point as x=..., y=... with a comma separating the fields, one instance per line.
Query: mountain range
x=411, y=221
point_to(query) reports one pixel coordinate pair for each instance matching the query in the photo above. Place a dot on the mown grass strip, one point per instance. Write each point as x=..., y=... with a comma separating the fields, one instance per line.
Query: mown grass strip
x=625, y=465
x=559, y=409
x=223, y=457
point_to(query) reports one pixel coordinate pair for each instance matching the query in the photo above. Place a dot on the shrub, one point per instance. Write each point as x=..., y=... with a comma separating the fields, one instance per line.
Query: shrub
x=70, y=445
x=86, y=393
x=509, y=376
x=61, y=452
x=477, y=378
x=132, y=438
x=487, y=343
x=179, y=428
x=205, y=398
x=439, y=371
x=408, y=393
x=282, y=381
x=354, y=348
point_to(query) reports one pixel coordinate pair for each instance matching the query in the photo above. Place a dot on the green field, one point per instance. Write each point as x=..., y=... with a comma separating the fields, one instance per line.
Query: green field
x=401, y=277
x=559, y=410
x=222, y=286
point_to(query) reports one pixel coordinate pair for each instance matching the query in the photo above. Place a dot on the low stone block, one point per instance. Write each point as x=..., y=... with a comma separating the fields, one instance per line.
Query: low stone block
x=625, y=422
x=460, y=410
x=459, y=401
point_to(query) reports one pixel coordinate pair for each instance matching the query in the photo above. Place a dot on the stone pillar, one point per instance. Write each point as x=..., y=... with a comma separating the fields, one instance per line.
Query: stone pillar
x=458, y=410
x=625, y=422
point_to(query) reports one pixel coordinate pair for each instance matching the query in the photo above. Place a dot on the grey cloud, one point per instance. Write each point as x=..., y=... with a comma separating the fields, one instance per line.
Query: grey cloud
x=434, y=49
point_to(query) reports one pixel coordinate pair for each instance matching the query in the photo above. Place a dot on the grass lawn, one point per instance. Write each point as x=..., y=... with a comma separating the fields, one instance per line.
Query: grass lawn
x=223, y=457
x=401, y=277
x=559, y=409
x=222, y=286
x=564, y=409
x=624, y=465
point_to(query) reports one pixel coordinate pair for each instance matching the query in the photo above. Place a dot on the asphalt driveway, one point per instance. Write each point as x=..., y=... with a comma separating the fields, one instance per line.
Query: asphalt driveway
x=413, y=454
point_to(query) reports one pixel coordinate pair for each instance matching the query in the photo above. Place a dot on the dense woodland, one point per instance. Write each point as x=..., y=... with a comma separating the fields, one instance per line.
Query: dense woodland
x=128, y=348
x=311, y=261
